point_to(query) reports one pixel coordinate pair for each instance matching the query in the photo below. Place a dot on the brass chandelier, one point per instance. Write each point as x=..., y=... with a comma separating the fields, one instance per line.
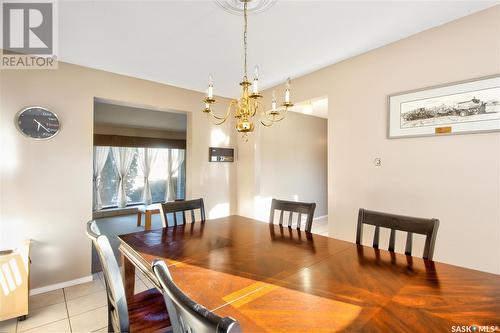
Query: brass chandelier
x=248, y=105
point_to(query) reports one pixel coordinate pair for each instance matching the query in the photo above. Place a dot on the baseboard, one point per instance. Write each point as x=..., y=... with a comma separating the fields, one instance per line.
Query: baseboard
x=320, y=217
x=60, y=285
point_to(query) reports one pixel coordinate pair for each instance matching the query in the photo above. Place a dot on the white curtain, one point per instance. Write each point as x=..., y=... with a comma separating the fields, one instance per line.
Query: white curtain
x=147, y=157
x=123, y=159
x=100, y=157
x=175, y=159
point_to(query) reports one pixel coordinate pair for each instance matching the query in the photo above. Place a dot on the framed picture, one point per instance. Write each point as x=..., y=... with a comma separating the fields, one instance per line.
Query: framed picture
x=462, y=107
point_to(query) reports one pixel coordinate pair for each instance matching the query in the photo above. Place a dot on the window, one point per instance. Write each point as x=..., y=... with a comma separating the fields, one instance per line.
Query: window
x=134, y=185
x=108, y=183
x=161, y=176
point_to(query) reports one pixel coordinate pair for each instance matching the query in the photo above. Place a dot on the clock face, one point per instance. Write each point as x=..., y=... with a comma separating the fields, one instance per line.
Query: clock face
x=38, y=123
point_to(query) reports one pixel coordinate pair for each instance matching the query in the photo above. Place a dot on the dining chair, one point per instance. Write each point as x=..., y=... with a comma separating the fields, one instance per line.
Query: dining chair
x=293, y=207
x=145, y=311
x=173, y=208
x=411, y=225
x=186, y=314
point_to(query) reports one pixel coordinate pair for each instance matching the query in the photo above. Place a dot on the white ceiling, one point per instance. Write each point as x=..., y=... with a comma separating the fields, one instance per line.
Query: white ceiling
x=181, y=42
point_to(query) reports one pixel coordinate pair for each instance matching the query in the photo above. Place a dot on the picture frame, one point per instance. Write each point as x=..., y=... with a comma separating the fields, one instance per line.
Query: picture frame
x=471, y=106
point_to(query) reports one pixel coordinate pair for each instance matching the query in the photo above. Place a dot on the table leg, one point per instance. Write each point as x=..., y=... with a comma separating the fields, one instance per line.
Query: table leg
x=148, y=221
x=129, y=277
x=139, y=215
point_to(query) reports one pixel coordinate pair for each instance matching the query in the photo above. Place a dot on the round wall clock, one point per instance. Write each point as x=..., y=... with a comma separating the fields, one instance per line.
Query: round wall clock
x=38, y=123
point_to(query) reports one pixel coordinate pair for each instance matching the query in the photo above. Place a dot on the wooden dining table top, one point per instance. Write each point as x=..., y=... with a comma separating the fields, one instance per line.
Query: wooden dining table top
x=277, y=279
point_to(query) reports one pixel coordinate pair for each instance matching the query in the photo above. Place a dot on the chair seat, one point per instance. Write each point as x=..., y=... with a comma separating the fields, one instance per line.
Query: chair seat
x=148, y=313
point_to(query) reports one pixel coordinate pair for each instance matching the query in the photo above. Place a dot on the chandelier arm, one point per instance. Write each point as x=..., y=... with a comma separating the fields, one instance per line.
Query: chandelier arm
x=226, y=115
x=215, y=122
x=267, y=125
x=274, y=119
x=257, y=105
x=282, y=114
x=217, y=117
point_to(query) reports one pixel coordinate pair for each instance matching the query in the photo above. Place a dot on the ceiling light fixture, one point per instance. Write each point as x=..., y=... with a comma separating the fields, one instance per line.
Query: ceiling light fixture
x=248, y=105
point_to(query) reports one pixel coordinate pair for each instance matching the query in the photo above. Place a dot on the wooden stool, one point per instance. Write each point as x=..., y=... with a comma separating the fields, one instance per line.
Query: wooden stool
x=148, y=211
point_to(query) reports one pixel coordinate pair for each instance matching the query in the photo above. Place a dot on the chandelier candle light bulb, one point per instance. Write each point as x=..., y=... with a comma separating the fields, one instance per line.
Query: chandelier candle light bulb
x=248, y=105
x=210, y=94
x=255, y=85
x=273, y=103
x=287, y=91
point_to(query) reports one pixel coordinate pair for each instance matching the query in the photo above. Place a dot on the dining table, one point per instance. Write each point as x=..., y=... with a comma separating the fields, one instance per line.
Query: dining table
x=273, y=278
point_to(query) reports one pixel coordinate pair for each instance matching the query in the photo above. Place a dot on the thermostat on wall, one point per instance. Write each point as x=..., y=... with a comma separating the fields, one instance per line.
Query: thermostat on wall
x=220, y=154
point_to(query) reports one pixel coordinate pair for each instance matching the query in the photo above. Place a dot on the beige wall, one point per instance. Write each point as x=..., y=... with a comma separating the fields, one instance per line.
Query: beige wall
x=290, y=164
x=46, y=186
x=454, y=178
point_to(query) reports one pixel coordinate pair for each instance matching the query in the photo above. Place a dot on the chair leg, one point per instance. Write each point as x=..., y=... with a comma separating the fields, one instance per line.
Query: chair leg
x=110, y=324
x=110, y=319
x=139, y=215
x=147, y=224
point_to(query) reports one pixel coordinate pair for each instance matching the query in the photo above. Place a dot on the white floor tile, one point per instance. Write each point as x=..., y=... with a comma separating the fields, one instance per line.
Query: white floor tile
x=148, y=283
x=43, y=316
x=45, y=299
x=61, y=326
x=139, y=287
x=8, y=326
x=83, y=289
x=139, y=274
x=90, y=321
x=86, y=303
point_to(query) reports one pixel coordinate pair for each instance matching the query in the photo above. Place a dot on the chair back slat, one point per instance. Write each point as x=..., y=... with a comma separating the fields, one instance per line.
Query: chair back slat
x=376, y=237
x=392, y=240
x=118, y=320
x=409, y=242
x=411, y=225
x=173, y=208
x=293, y=207
x=185, y=314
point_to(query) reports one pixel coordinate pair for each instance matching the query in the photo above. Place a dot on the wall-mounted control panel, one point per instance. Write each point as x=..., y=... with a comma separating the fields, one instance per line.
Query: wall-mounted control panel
x=220, y=154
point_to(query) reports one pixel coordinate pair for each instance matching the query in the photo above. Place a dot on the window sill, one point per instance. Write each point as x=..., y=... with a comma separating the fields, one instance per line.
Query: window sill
x=110, y=212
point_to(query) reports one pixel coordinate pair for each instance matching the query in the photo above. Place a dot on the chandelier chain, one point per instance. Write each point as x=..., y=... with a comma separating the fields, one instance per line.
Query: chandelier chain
x=245, y=37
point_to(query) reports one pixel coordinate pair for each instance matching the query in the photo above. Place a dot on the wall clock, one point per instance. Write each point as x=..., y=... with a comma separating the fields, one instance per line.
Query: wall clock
x=38, y=123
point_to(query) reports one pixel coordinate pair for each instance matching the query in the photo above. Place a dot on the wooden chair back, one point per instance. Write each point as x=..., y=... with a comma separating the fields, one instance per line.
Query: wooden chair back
x=185, y=314
x=411, y=225
x=118, y=320
x=173, y=208
x=293, y=207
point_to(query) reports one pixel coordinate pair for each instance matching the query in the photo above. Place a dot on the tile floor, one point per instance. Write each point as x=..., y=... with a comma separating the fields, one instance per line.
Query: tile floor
x=81, y=309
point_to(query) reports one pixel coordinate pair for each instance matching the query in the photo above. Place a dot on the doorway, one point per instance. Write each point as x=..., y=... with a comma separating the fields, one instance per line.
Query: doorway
x=139, y=160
